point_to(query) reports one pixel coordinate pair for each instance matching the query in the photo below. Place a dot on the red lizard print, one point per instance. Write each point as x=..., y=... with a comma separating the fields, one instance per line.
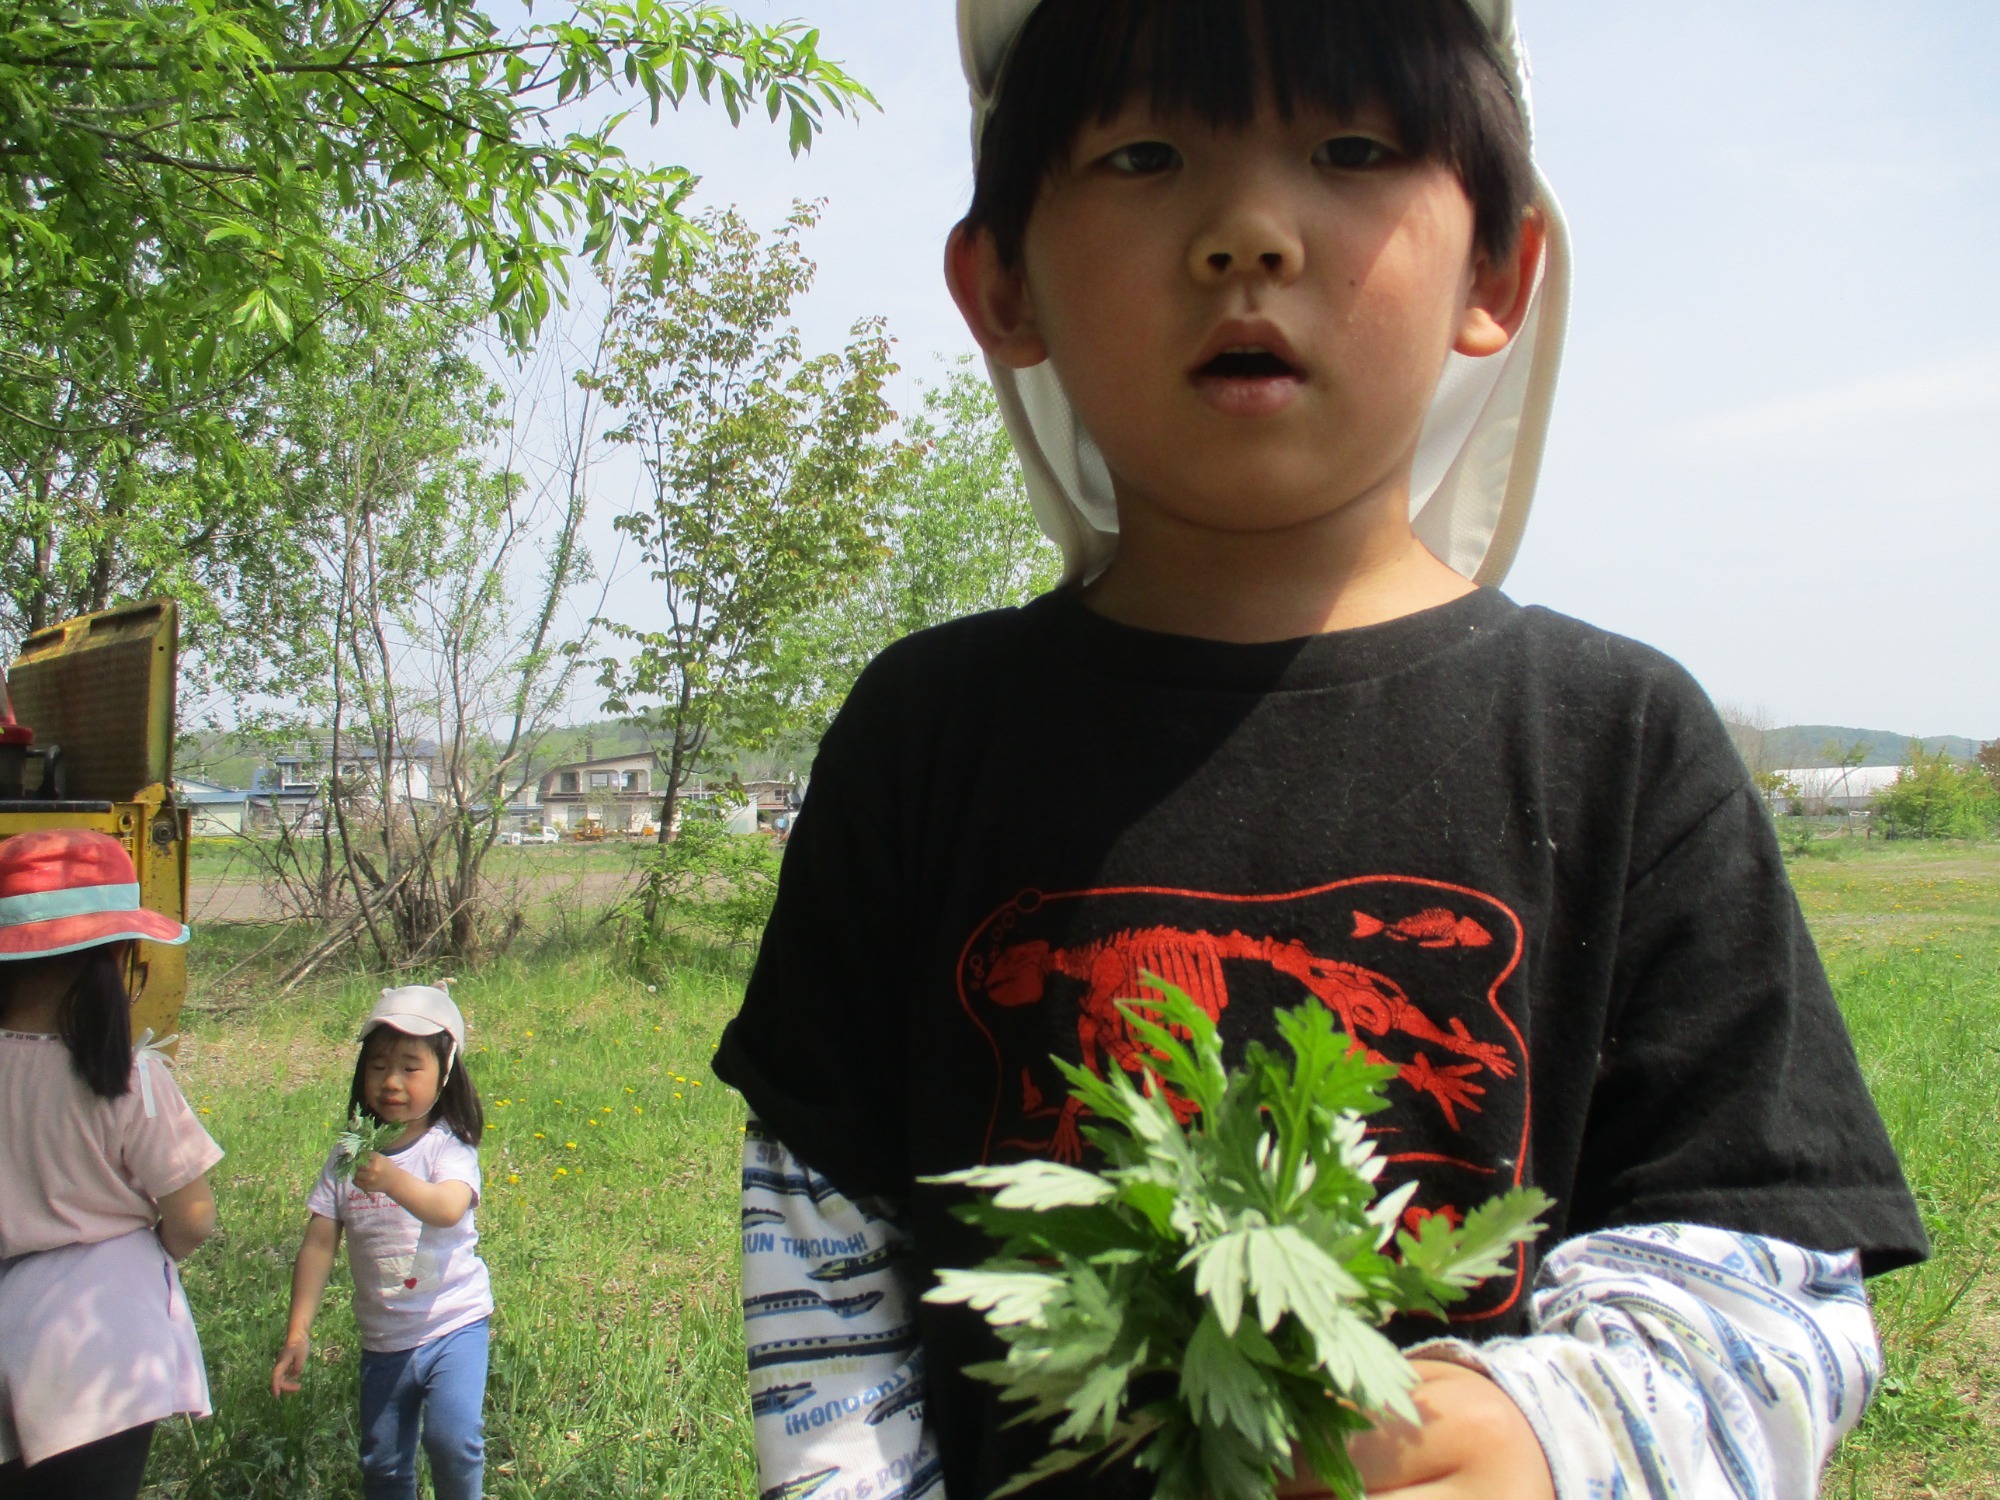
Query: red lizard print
x=1370, y=1006
x=1421, y=973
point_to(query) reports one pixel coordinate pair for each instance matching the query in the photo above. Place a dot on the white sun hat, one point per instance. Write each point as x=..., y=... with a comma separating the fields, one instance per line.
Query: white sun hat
x=1481, y=446
x=419, y=1010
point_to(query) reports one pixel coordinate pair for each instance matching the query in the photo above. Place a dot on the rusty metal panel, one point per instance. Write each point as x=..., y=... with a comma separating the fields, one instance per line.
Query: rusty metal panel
x=102, y=687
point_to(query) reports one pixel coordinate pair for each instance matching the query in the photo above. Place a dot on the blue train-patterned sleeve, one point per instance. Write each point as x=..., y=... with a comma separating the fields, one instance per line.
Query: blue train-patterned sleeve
x=836, y=1371
x=1678, y=1361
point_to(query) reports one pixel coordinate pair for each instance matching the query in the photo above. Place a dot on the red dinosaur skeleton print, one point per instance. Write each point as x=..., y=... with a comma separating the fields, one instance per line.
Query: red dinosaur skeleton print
x=1417, y=971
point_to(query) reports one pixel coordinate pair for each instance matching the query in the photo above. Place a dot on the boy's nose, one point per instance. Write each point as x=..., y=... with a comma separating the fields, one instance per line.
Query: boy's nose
x=1246, y=240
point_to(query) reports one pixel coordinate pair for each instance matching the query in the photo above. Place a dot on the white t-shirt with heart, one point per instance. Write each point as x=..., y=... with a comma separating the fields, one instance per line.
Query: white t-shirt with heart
x=413, y=1282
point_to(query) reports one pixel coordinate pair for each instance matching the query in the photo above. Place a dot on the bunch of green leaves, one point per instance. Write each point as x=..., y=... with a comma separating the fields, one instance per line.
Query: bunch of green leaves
x=363, y=1135
x=1213, y=1296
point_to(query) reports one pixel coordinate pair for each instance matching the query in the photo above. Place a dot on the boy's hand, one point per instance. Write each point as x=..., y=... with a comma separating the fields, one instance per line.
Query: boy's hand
x=291, y=1365
x=1474, y=1444
x=375, y=1173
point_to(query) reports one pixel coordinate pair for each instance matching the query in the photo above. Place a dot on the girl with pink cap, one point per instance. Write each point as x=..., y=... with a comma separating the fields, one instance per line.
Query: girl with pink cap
x=103, y=1181
x=422, y=1297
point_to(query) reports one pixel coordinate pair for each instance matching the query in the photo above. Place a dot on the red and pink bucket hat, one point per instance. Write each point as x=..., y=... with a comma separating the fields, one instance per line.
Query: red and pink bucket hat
x=62, y=889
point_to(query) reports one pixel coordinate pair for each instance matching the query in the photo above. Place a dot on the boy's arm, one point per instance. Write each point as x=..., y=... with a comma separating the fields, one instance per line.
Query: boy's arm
x=825, y=1289
x=1674, y=1359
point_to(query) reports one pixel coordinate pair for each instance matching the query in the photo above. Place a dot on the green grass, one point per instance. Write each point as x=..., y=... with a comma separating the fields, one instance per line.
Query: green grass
x=1911, y=939
x=617, y=1364
x=617, y=1352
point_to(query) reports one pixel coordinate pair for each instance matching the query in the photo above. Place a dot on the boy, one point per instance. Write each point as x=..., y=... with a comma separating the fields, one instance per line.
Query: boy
x=1235, y=267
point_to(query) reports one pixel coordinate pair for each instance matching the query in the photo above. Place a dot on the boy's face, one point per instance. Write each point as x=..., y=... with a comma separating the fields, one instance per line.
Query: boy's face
x=1251, y=323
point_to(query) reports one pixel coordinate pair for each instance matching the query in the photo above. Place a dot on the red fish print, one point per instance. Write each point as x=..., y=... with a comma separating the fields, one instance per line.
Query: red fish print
x=1433, y=927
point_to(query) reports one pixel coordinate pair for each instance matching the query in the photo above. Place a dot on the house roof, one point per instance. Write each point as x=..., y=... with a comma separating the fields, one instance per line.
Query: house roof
x=207, y=793
x=647, y=760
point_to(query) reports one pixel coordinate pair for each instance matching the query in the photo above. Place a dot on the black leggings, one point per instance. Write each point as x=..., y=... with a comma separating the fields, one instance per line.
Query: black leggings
x=111, y=1468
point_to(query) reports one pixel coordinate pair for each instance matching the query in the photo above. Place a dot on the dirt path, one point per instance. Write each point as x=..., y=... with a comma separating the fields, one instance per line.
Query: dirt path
x=249, y=901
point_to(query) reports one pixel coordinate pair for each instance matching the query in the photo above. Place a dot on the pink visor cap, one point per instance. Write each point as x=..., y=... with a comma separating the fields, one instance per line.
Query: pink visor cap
x=64, y=889
x=1480, y=451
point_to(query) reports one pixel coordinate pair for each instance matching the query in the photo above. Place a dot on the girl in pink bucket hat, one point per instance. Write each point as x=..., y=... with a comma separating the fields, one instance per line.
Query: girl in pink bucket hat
x=103, y=1181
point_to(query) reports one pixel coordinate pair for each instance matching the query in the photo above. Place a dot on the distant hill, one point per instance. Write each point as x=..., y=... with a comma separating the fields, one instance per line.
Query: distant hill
x=1798, y=746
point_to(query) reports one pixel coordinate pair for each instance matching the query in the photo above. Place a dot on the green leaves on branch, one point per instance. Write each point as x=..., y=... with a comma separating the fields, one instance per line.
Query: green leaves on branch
x=1213, y=1297
x=765, y=474
x=959, y=537
x=173, y=171
x=1936, y=797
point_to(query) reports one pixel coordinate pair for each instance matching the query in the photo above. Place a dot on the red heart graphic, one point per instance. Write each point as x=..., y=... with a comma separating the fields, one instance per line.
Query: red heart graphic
x=410, y=1282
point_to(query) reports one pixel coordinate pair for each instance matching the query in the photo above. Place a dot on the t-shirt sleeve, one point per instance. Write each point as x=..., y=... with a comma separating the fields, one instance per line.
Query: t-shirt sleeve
x=163, y=1152
x=325, y=1199
x=818, y=1049
x=1728, y=1092
x=456, y=1162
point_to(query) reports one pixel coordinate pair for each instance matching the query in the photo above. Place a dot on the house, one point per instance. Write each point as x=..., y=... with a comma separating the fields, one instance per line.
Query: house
x=775, y=801
x=218, y=811
x=617, y=793
x=289, y=789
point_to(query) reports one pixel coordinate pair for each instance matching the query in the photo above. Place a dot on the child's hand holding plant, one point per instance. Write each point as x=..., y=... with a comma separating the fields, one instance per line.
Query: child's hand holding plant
x=1209, y=1304
x=362, y=1141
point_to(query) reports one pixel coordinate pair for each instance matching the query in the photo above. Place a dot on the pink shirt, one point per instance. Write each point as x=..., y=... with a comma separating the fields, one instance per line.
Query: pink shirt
x=76, y=1169
x=413, y=1282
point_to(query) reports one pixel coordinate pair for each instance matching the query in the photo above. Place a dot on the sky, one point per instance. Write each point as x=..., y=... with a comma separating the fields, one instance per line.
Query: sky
x=1771, y=453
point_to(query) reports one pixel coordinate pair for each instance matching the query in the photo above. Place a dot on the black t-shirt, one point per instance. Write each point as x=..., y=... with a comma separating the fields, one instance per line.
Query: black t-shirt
x=1516, y=855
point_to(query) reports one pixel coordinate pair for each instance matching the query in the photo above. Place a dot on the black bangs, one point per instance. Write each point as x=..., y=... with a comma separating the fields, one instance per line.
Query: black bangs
x=1429, y=63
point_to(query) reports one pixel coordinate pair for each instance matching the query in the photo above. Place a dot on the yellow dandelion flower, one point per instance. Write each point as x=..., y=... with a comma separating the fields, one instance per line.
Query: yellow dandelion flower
x=638, y=1109
x=513, y=1176
x=591, y=1123
x=539, y=1136
x=628, y=1088
x=677, y=1095
x=206, y=1110
x=527, y=1033
x=569, y=1145
x=697, y=1083
x=562, y=1171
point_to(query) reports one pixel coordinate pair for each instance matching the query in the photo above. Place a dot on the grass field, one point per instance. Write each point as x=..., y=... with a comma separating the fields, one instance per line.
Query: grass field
x=610, y=1210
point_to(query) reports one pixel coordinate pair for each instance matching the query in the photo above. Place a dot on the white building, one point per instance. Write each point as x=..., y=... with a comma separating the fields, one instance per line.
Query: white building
x=616, y=792
x=1835, y=789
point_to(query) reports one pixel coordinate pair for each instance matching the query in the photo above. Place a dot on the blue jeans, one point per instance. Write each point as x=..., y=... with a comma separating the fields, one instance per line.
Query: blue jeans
x=444, y=1383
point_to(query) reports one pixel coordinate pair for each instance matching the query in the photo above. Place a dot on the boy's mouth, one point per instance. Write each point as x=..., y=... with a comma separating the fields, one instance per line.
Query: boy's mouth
x=1248, y=364
x=1249, y=373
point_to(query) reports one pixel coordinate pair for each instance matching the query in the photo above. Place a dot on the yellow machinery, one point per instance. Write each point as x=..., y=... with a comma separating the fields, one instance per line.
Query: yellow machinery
x=97, y=693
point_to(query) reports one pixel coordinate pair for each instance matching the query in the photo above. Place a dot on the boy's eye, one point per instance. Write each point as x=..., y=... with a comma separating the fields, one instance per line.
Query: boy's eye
x=1143, y=158
x=1351, y=153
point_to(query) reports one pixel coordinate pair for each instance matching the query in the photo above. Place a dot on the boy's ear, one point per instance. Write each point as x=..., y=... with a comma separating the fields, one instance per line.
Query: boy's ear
x=1497, y=302
x=993, y=299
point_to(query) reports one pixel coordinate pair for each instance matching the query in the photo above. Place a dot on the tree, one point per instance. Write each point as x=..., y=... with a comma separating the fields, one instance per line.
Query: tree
x=428, y=595
x=960, y=539
x=1936, y=797
x=1988, y=761
x=193, y=197
x=764, y=474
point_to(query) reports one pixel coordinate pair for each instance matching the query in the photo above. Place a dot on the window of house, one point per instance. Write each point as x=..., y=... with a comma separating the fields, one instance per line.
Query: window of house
x=600, y=778
x=568, y=781
x=635, y=781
